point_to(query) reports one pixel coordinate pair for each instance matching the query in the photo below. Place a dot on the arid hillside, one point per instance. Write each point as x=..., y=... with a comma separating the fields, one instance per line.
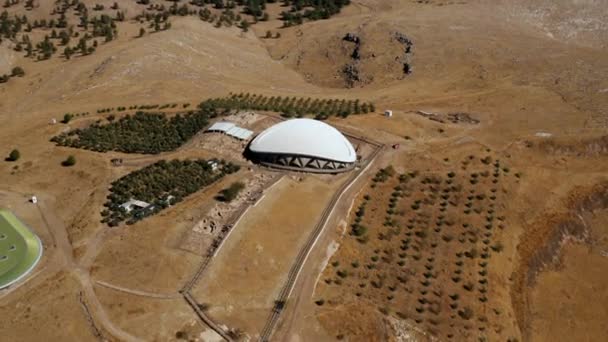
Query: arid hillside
x=483, y=196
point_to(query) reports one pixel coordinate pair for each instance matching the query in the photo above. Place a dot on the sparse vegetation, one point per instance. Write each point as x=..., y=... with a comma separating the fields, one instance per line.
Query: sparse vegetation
x=419, y=246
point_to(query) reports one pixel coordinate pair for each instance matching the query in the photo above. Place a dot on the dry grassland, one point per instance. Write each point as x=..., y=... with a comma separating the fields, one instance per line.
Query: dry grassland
x=242, y=283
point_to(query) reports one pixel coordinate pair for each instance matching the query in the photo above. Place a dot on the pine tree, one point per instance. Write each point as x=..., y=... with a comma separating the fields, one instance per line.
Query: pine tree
x=30, y=49
x=68, y=52
x=109, y=36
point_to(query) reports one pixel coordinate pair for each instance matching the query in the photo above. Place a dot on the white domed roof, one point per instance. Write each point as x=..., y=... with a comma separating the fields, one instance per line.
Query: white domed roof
x=305, y=137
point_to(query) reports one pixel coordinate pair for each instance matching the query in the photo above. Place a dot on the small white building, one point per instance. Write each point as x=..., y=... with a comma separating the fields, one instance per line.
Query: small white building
x=134, y=204
x=388, y=113
x=214, y=165
x=34, y=199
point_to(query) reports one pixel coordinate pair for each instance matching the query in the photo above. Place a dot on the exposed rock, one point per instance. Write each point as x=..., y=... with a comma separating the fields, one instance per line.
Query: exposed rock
x=353, y=38
x=407, y=48
x=351, y=74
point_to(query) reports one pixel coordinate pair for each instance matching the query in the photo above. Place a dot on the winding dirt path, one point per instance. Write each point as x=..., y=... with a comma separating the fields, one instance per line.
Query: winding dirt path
x=138, y=292
x=62, y=258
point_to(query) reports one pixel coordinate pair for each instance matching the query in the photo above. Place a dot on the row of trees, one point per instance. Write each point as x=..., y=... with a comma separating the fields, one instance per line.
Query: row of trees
x=141, y=107
x=161, y=184
x=15, y=155
x=292, y=106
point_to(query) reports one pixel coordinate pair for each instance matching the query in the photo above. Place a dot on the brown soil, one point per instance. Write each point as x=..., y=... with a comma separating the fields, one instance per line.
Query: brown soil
x=520, y=67
x=40, y=313
x=138, y=315
x=569, y=303
x=246, y=276
x=434, y=257
x=541, y=250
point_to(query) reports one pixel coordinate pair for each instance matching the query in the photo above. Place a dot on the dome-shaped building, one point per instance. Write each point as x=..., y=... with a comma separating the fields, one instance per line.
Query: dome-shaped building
x=304, y=145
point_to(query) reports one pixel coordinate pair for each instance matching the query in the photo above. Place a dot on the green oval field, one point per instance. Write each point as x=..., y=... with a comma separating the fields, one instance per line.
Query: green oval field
x=20, y=249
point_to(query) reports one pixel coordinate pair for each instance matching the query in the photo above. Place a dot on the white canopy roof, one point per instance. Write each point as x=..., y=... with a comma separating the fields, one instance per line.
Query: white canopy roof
x=221, y=126
x=305, y=137
x=231, y=129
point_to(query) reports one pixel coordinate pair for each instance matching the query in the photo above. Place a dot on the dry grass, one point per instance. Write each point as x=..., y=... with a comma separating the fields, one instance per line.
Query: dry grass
x=495, y=60
x=42, y=313
x=242, y=283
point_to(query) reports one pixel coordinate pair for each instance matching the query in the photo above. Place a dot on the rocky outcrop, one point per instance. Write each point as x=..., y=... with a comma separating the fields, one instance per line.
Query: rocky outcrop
x=407, y=51
x=350, y=71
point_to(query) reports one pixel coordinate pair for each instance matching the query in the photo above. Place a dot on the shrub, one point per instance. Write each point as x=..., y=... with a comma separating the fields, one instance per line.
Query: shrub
x=70, y=161
x=17, y=72
x=468, y=286
x=465, y=313
x=498, y=247
x=471, y=254
x=67, y=117
x=359, y=230
x=14, y=155
x=230, y=193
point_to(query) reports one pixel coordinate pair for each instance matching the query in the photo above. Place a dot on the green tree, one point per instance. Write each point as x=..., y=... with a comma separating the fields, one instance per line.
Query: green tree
x=17, y=71
x=245, y=25
x=68, y=52
x=67, y=117
x=142, y=31
x=14, y=155
x=70, y=161
x=230, y=193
